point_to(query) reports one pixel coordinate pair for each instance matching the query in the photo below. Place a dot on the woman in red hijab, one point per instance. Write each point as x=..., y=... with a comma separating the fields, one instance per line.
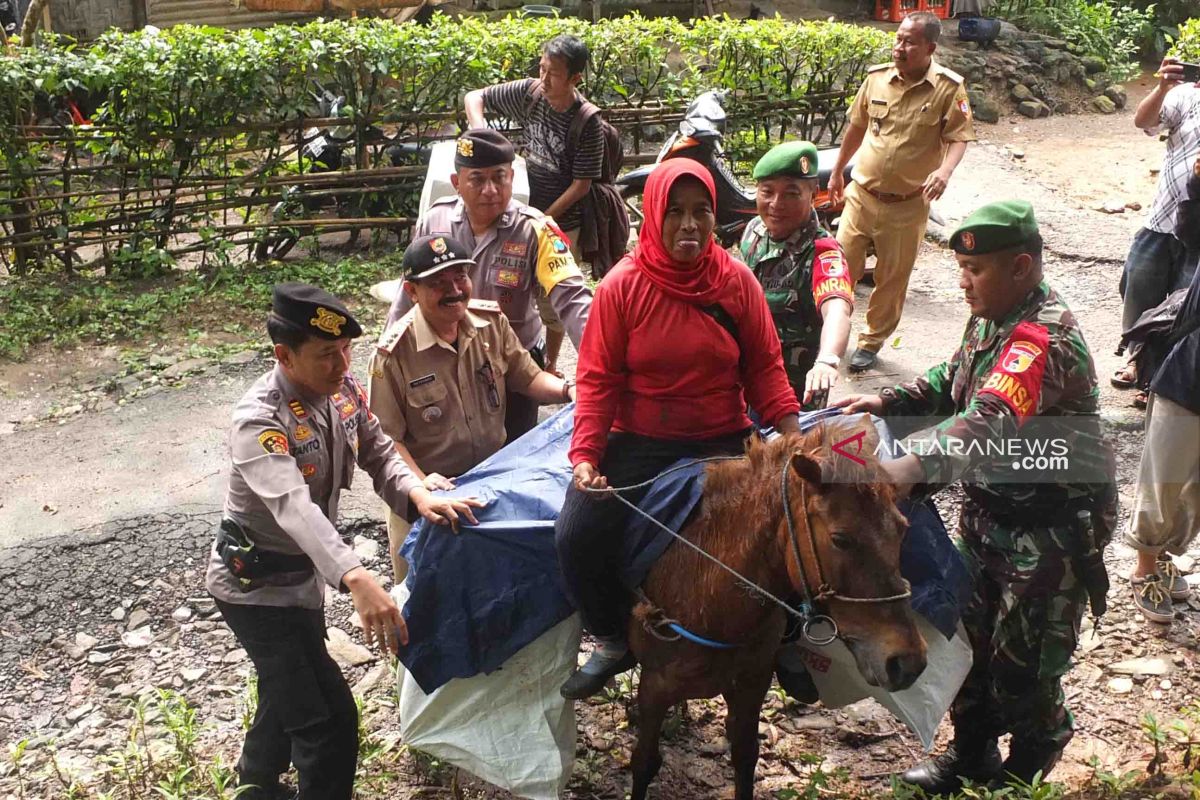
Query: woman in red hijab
x=678, y=340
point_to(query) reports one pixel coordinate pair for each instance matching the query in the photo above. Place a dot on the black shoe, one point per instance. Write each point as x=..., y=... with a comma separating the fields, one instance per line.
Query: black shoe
x=582, y=684
x=798, y=684
x=862, y=360
x=1025, y=761
x=945, y=773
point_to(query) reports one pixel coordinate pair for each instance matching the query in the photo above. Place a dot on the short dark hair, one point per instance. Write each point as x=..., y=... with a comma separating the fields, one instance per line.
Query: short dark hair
x=1032, y=247
x=570, y=49
x=930, y=25
x=285, y=332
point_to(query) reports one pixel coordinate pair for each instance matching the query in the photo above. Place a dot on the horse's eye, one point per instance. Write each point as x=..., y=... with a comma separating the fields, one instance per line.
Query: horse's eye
x=842, y=541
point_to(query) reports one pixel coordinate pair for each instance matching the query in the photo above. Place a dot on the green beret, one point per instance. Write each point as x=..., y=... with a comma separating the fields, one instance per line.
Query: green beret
x=793, y=159
x=995, y=227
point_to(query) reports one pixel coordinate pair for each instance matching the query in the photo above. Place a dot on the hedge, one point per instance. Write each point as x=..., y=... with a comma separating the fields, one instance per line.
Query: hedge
x=204, y=107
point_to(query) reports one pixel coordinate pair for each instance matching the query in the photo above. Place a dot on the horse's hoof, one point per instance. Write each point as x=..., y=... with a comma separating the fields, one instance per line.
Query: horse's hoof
x=582, y=685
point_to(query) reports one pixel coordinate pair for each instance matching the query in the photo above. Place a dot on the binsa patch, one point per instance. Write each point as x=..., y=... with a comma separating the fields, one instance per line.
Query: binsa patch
x=1017, y=377
x=274, y=442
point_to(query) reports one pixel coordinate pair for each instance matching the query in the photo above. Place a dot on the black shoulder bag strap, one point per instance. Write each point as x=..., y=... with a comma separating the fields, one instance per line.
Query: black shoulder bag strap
x=726, y=321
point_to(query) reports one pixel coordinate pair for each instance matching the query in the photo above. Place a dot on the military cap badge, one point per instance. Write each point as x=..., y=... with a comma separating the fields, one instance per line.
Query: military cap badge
x=466, y=148
x=438, y=245
x=968, y=241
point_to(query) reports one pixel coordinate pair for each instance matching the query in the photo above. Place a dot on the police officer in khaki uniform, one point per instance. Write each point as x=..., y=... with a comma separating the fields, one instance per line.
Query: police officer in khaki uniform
x=517, y=251
x=296, y=436
x=913, y=122
x=442, y=374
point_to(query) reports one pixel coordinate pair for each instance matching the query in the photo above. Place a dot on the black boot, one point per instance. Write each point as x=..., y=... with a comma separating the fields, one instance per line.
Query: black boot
x=582, y=684
x=1027, y=760
x=976, y=761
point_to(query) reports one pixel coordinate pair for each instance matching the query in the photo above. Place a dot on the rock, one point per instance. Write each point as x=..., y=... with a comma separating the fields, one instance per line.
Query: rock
x=1117, y=95
x=185, y=367
x=117, y=614
x=373, y=678
x=1090, y=84
x=1094, y=65
x=366, y=549
x=137, y=618
x=1103, y=104
x=85, y=641
x=76, y=714
x=1164, y=684
x=244, y=357
x=96, y=657
x=1021, y=92
x=1120, y=685
x=1141, y=667
x=1112, y=207
x=985, y=110
x=192, y=674
x=715, y=748
x=234, y=656
x=1034, y=109
x=345, y=650
x=1134, y=206
x=136, y=640
x=181, y=614
x=1018, y=154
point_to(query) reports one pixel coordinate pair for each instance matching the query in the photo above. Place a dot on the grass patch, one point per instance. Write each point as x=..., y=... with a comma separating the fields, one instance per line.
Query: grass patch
x=231, y=299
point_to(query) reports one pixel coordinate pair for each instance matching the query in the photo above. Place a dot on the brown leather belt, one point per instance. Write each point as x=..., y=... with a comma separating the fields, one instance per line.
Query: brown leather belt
x=890, y=197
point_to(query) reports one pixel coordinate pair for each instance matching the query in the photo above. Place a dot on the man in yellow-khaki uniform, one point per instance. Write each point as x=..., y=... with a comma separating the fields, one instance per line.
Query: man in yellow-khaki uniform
x=912, y=120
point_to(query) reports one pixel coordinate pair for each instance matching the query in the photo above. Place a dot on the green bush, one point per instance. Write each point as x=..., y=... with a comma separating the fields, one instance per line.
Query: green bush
x=1187, y=46
x=205, y=107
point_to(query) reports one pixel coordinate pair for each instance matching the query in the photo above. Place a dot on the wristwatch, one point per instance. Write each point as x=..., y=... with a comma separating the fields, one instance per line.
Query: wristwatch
x=829, y=360
x=566, y=390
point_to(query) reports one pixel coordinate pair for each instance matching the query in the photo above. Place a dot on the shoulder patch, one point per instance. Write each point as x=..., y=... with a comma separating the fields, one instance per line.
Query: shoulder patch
x=489, y=306
x=387, y=342
x=274, y=442
x=877, y=67
x=1016, y=379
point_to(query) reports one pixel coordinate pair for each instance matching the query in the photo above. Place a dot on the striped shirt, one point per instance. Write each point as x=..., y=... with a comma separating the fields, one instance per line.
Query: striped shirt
x=1180, y=115
x=545, y=153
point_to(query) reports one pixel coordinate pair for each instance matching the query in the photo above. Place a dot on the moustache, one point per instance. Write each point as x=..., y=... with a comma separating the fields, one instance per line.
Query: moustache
x=448, y=301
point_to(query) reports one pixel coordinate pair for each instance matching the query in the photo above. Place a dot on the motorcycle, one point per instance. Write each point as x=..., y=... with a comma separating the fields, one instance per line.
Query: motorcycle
x=327, y=150
x=700, y=137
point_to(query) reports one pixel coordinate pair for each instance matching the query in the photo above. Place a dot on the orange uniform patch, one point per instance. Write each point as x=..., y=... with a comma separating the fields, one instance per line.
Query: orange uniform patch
x=274, y=442
x=830, y=275
x=1017, y=377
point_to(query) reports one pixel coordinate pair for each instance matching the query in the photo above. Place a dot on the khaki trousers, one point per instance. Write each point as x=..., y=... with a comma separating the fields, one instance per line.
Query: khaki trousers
x=896, y=230
x=1166, y=505
x=397, y=532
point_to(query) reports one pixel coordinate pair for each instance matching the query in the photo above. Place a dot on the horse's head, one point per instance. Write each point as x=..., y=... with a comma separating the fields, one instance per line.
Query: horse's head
x=848, y=531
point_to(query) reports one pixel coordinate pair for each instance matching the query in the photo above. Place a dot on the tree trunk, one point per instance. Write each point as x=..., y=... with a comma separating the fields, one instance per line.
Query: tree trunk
x=32, y=17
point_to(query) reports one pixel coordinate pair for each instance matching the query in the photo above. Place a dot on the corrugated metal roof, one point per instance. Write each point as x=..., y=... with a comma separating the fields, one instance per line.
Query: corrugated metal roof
x=221, y=13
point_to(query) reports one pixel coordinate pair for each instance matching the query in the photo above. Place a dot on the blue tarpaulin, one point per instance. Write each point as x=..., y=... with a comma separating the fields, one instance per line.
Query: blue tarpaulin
x=479, y=597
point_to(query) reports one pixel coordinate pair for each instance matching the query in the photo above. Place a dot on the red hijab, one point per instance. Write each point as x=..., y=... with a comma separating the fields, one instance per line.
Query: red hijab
x=699, y=283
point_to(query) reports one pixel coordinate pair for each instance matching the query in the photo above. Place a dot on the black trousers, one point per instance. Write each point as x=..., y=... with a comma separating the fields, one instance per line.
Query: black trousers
x=521, y=410
x=589, y=531
x=306, y=714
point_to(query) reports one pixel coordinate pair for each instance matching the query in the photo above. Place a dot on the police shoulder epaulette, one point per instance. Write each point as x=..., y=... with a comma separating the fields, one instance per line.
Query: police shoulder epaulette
x=530, y=211
x=449, y=199
x=387, y=342
x=951, y=74
x=489, y=306
x=877, y=67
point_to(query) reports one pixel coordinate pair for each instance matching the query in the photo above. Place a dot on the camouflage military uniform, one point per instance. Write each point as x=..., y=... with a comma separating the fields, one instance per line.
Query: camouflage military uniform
x=797, y=275
x=1021, y=540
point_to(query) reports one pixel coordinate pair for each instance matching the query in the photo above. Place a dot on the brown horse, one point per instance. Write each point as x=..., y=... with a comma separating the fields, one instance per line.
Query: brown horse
x=845, y=530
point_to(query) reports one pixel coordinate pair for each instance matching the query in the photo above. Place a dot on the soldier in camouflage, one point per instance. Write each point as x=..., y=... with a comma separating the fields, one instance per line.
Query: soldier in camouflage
x=801, y=269
x=1033, y=540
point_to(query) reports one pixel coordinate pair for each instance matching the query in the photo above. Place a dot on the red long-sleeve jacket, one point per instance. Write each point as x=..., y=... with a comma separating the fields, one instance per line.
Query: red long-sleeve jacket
x=657, y=366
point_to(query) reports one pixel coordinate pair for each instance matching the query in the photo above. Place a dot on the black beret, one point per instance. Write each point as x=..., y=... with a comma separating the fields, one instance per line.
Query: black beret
x=314, y=310
x=483, y=147
x=428, y=255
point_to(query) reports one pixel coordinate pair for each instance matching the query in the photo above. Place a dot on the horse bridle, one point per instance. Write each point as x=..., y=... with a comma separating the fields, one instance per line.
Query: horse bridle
x=824, y=591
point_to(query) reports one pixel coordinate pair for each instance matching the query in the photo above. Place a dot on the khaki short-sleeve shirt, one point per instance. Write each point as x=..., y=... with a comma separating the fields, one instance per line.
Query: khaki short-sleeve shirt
x=908, y=126
x=446, y=404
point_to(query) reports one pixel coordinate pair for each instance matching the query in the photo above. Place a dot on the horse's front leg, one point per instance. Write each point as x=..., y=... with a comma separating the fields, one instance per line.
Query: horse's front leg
x=654, y=700
x=743, y=703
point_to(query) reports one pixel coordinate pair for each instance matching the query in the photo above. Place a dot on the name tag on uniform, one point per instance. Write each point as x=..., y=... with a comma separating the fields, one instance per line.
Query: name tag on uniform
x=422, y=381
x=879, y=102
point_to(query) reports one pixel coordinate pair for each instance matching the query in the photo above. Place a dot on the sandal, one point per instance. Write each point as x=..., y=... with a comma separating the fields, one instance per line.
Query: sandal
x=1150, y=597
x=1124, y=378
x=1141, y=400
x=1172, y=579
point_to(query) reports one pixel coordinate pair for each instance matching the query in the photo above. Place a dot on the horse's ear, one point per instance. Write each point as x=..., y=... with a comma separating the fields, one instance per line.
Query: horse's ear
x=807, y=468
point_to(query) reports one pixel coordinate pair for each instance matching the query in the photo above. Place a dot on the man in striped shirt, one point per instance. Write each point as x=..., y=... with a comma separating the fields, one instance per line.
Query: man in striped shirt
x=559, y=175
